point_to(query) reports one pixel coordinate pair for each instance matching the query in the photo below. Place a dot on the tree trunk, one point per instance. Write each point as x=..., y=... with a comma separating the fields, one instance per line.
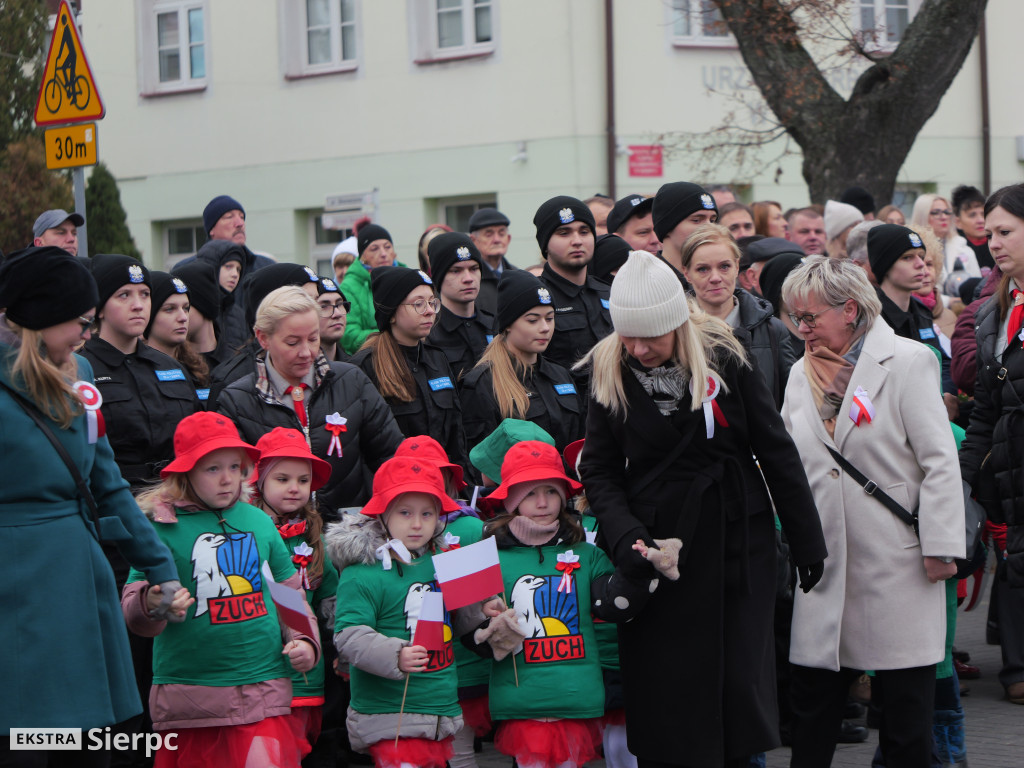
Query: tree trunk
x=865, y=139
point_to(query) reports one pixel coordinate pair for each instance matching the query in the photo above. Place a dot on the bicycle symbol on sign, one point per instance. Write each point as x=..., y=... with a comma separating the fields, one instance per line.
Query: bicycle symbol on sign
x=65, y=82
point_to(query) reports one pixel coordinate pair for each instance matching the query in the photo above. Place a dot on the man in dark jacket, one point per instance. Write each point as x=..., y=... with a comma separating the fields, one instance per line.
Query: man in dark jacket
x=463, y=330
x=565, y=234
x=488, y=228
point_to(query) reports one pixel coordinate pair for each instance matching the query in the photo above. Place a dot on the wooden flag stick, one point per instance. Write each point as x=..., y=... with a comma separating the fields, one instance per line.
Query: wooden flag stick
x=401, y=710
x=515, y=669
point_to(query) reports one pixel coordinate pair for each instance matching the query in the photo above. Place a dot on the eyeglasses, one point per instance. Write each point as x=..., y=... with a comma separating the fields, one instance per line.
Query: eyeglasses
x=940, y=212
x=88, y=324
x=810, y=319
x=328, y=309
x=420, y=305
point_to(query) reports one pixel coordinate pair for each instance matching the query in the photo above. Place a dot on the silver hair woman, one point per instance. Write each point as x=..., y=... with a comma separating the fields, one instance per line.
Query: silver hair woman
x=873, y=398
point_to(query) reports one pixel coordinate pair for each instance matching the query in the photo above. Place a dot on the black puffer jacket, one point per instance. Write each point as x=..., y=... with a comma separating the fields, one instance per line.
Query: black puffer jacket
x=771, y=343
x=992, y=453
x=370, y=437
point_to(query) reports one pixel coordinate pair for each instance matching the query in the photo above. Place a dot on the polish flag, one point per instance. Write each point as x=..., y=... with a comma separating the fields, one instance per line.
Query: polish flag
x=430, y=625
x=469, y=574
x=291, y=605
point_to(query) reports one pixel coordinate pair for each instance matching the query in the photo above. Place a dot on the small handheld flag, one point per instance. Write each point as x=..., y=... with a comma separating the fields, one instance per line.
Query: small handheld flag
x=469, y=574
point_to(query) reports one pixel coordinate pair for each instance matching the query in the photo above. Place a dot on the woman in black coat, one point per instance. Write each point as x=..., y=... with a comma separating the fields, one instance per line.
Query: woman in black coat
x=992, y=451
x=345, y=420
x=658, y=466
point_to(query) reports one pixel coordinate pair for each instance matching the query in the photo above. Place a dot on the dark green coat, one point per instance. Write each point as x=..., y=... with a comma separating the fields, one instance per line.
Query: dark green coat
x=65, y=660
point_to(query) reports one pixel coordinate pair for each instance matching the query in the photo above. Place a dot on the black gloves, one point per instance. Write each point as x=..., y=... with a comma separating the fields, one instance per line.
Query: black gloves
x=810, y=575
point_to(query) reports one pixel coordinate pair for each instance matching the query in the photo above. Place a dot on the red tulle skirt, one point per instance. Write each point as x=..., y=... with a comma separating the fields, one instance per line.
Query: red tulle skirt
x=274, y=742
x=305, y=722
x=423, y=753
x=476, y=713
x=536, y=742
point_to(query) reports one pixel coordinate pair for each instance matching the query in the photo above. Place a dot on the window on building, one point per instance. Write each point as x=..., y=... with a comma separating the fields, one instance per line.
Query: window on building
x=322, y=240
x=181, y=239
x=449, y=29
x=456, y=212
x=882, y=23
x=698, y=22
x=173, y=42
x=319, y=37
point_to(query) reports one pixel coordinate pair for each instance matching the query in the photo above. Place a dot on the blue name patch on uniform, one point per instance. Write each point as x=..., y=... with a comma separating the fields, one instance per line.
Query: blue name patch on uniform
x=490, y=338
x=565, y=389
x=175, y=374
x=604, y=303
x=443, y=382
x=927, y=333
x=203, y=394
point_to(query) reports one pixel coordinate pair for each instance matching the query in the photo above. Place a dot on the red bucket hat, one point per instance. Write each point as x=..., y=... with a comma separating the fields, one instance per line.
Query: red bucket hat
x=285, y=443
x=203, y=433
x=406, y=475
x=528, y=462
x=427, y=448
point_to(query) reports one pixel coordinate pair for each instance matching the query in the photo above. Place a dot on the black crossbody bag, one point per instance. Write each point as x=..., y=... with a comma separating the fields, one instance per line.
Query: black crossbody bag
x=973, y=512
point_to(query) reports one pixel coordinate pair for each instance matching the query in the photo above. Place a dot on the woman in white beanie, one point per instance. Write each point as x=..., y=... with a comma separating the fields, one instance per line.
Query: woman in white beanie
x=840, y=218
x=659, y=463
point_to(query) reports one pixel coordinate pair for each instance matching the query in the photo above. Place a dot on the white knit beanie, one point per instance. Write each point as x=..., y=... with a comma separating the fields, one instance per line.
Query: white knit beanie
x=839, y=216
x=647, y=299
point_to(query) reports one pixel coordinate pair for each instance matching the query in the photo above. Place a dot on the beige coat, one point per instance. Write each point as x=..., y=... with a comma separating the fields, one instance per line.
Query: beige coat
x=874, y=607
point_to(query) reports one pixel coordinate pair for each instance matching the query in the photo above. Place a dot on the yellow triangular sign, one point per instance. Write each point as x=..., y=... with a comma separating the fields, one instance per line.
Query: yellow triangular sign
x=68, y=92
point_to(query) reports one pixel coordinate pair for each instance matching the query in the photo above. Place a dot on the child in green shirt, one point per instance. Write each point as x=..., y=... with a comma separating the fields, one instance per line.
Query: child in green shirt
x=286, y=476
x=404, y=707
x=221, y=678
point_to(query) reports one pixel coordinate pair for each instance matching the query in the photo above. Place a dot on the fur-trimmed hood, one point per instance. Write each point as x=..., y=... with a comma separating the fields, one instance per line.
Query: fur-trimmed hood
x=354, y=539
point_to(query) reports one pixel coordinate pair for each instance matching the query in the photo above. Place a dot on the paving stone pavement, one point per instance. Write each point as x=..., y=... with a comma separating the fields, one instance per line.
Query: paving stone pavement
x=995, y=728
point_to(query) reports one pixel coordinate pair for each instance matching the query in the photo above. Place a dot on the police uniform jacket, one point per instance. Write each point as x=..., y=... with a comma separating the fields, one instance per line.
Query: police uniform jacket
x=917, y=324
x=581, y=320
x=555, y=405
x=462, y=339
x=436, y=410
x=145, y=395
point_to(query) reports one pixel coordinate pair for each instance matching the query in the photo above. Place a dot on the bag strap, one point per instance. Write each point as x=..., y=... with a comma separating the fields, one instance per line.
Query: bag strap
x=83, y=487
x=872, y=490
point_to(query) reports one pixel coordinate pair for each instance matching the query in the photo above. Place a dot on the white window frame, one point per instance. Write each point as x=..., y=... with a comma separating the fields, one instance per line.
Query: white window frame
x=147, y=14
x=170, y=259
x=876, y=39
x=293, y=26
x=441, y=204
x=696, y=38
x=423, y=31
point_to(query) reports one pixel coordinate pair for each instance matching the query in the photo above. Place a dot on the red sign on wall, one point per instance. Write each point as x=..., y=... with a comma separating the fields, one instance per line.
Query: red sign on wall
x=645, y=160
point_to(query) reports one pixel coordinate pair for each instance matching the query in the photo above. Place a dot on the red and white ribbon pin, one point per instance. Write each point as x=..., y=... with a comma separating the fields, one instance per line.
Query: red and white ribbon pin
x=91, y=400
x=568, y=562
x=712, y=410
x=335, y=425
x=861, y=409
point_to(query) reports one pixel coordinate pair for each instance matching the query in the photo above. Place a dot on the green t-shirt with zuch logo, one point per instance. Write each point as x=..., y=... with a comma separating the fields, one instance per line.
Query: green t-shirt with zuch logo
x=231, y=634
x=559, y=666
x=389, y=603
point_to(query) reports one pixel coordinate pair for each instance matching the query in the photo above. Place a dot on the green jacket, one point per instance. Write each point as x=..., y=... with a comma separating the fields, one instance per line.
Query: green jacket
x=361, y=322
x=66, y=660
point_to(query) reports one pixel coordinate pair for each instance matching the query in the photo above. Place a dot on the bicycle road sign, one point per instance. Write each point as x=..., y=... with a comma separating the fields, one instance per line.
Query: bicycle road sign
x=68, y=92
